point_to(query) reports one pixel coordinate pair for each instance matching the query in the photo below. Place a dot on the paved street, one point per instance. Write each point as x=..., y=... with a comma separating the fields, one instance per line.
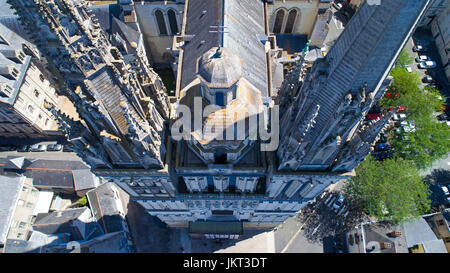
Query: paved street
x=425, y=38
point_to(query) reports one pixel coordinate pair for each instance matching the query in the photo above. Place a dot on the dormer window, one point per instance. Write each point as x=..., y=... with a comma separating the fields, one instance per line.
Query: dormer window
x=6, y=90
x=21, y=56
x=14, y=72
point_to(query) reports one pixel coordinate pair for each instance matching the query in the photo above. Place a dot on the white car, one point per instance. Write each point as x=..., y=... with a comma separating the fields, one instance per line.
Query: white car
x=418, y=48
x=409, y=69
x=38, y=148
x=445, y=190
x=427, y=64
x=422, y=58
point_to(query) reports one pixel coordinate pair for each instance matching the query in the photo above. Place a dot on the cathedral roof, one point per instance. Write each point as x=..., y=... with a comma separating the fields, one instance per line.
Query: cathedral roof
x=220, y=67
x=243, y=23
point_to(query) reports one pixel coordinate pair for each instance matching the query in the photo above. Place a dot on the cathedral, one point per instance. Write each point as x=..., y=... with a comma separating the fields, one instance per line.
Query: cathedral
x=230, y=168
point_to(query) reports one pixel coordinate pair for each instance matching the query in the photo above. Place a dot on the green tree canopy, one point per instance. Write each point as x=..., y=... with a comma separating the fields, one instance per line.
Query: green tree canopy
x=428, y=143
x=391, y=189
x=404, y=59
x=404, y=81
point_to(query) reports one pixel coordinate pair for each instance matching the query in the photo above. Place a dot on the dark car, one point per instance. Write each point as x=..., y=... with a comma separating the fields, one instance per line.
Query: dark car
x=54, y=147
x=383, y=139
x=442, y=117
x=382, y=147
x=350, y=239
x=427, y=79
x=383, y=156
x=24, y=148
x=4, y=148
x=375, y=109
x=435, y=85
x=68, y=148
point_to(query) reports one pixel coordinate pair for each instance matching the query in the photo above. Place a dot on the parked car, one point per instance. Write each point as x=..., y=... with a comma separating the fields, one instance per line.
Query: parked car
x=398, y=117
x=54, y=147
x=24, y=148
x=373, y=116
x=442, y=117
x=350, y=239
x=408, y=68
x=382, y=147
x=38, y=148
x=428, y=79
x=383, y=139
x=445, y=190
x=383, y=156
x=422, y=58
x=5, y=148
x=427, y=65
x=435, y=85
x=375, y=109
x=68, y=148
x=418, y=48
x=339, y=202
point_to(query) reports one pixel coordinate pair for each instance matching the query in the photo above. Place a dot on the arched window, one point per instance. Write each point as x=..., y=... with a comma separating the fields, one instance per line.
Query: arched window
x=290, y=21
x=279, y=18
x=161, y=22
x=172, y=21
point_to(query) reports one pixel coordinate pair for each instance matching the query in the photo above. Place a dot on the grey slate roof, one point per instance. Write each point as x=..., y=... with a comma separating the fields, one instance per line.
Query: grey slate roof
x=10, y=188
x=244, y=24
x=104, y=208
x=84, y=179
x=60, y=222
x=126, y=32
x=105, y=14
x=417, y=232
x=63, y=174
x=435, y=246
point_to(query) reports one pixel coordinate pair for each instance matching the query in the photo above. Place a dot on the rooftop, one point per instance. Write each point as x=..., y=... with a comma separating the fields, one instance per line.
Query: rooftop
x=106, y=205
x=10, y=187
x=244, y=36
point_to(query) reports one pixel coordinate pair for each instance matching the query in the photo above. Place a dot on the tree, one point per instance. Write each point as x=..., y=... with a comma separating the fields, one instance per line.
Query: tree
x=419, y=104
x=404, y=59
x=389, y=190
x=428, y=143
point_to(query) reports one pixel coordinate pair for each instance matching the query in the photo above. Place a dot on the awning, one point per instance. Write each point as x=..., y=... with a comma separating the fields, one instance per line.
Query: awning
x=216, y=228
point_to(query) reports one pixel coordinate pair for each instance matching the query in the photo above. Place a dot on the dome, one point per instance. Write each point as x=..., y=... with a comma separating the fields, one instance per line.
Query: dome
x=220, y=69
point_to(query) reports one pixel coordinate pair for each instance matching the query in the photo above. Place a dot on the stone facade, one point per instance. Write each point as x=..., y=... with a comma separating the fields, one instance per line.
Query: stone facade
x=123, y=136
x=24, y=89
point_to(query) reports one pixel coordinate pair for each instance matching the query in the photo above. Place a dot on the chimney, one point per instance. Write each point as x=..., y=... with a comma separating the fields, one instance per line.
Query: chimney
x=396, y=233
x=385, y=245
